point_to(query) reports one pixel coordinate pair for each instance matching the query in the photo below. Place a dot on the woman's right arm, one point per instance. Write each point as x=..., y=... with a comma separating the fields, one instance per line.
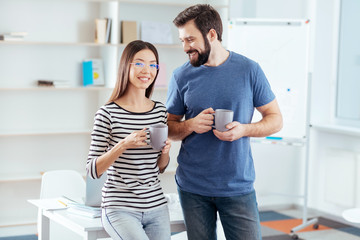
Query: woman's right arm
x=101, y=155
x=99, y=159
x=134, y=140
x=100, y=141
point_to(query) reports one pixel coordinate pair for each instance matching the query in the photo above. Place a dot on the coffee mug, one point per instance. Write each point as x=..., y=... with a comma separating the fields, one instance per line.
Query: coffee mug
x=158, y=136
x=222, y=117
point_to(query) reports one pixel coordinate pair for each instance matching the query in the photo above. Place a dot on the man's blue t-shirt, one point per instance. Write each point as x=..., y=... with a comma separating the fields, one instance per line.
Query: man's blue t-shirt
x=207, y=165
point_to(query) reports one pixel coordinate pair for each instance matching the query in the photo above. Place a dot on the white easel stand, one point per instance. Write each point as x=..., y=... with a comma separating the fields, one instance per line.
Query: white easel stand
x=305, y=221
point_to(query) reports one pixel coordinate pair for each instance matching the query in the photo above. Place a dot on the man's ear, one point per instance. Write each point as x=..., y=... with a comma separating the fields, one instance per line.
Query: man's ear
x=212, y=35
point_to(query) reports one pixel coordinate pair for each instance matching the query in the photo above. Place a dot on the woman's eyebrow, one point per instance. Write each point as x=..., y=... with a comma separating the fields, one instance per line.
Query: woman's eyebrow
x=140, y=59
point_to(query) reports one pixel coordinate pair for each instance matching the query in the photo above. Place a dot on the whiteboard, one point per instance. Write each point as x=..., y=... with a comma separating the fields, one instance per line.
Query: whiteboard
x=281, y=49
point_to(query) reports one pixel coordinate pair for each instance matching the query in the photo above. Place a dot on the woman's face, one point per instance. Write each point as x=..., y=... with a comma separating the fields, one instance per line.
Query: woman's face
x=143, y=69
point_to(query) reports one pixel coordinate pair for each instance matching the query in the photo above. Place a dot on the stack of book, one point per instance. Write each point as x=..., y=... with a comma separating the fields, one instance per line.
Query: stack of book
x=52, y=83
x=102, y=30
x=83, y=210
x=13, y=36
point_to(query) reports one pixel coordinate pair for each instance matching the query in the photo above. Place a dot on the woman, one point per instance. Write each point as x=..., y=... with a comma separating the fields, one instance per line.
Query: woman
x=133, y=205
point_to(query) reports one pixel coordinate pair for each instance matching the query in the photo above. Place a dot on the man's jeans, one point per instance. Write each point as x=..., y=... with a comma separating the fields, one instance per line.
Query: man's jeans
x=239, y=216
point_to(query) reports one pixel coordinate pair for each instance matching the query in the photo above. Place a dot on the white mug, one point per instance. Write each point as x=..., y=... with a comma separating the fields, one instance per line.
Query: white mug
x=222, y=117
x=158, y=136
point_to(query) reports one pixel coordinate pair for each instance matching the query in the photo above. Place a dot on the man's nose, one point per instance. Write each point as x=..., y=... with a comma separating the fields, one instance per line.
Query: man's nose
x=186, y=47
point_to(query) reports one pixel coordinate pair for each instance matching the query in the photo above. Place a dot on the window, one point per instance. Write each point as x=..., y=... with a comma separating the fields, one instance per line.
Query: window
x=348, y=76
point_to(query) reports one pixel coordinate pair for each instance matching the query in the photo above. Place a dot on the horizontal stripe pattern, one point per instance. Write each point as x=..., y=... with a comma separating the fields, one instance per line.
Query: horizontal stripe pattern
x=132, y=181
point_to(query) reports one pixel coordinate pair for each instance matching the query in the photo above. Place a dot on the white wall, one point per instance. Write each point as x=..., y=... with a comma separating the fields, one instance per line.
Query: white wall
x=334, y=150
x=268, y=9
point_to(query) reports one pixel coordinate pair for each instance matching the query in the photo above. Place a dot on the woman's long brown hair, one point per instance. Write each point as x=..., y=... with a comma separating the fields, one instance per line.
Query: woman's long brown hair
x=124, y=68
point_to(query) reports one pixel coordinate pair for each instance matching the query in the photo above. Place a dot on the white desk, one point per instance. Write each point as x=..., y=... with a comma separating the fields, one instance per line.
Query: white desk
x=91, y=228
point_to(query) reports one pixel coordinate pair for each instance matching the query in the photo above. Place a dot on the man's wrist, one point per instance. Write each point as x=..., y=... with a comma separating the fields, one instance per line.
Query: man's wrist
x=247, y=130
x=188, y=125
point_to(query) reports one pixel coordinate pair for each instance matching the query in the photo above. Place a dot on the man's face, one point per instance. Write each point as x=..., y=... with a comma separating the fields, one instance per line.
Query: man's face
x=194, y=44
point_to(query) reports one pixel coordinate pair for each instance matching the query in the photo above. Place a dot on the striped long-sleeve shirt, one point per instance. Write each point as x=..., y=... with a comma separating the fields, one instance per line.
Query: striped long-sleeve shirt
x=132, y=181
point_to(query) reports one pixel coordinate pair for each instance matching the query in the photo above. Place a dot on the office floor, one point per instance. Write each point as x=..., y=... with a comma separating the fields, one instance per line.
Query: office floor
x=276, y=225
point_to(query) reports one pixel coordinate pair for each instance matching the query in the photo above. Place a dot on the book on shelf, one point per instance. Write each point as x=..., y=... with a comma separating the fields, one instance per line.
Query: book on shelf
x=128, y=31
x=102, y=30
x=53, y=83
x=93, y=72
x=108, y=30
x=83, y=210
x=13, y=36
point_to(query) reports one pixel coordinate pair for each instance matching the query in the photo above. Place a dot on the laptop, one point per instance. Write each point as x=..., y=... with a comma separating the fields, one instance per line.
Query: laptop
x=93, y=192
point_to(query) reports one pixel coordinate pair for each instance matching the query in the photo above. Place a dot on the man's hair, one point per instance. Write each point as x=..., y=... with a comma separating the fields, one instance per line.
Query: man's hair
x=205, y=18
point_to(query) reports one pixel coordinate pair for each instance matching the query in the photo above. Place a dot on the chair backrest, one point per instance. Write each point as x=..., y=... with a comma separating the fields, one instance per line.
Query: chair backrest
x=352, y=215
x=59, y=183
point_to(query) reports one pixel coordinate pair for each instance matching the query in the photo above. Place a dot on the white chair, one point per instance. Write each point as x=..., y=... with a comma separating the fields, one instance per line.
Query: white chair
x=60, y=183
x=352, y=215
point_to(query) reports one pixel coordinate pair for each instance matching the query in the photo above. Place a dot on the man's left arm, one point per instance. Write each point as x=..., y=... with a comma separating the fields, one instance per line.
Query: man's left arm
x=270, y=123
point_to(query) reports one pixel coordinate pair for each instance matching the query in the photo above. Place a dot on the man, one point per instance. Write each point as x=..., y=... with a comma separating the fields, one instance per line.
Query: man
x=216, y=171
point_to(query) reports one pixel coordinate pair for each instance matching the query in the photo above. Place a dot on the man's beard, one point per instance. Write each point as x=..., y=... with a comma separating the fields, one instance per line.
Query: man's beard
x=202, y=57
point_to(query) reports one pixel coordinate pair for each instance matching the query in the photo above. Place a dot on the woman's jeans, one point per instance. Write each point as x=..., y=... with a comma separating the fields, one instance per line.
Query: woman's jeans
x=133, y=225
x=239, y=216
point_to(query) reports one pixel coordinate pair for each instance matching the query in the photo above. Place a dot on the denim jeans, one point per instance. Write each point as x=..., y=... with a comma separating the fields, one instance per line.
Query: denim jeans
x=239, y=216
x=132, y=225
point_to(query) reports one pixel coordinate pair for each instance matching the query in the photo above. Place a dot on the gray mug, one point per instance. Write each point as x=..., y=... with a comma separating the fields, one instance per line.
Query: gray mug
x=158, y=136
x=222, y=117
